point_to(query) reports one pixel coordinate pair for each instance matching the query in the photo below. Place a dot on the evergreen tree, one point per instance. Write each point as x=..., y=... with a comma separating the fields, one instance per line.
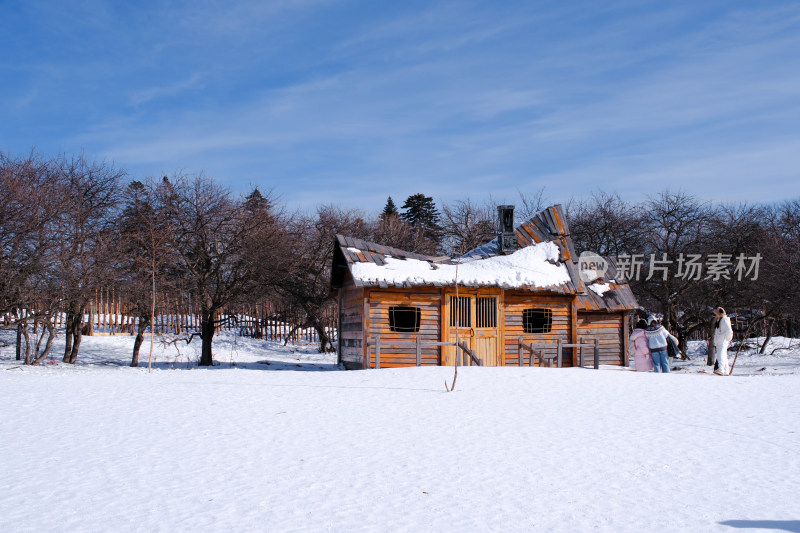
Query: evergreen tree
x=421, y=214
x=255, y=202
x=420, y=211
x=390, y=210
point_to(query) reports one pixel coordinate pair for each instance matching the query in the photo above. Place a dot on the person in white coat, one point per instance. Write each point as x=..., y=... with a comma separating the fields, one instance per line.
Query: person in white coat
x=723, y=335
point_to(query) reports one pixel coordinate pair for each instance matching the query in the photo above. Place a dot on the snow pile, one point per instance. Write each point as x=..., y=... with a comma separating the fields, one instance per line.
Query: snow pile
x=599, y=288
x=532, y=266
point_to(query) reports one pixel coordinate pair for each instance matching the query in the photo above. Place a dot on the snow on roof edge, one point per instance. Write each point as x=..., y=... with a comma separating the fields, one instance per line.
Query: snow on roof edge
x=534, y=266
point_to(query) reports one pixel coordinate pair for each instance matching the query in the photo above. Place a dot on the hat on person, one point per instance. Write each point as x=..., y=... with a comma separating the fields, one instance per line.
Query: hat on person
x=651, y=319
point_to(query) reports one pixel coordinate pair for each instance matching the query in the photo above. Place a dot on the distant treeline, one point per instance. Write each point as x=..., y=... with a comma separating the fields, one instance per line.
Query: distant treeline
x=70, y=225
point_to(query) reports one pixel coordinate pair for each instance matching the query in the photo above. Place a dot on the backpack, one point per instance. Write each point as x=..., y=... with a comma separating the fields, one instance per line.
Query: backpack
x=672, y=347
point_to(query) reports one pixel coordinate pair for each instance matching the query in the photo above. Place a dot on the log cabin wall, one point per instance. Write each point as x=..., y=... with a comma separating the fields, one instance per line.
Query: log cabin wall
x=429, y=302
x=609, y=328
x=516, y=302
x=351, y=325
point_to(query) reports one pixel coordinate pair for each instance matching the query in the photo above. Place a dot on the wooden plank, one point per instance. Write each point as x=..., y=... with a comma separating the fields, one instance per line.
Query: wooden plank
x=574, y=326
x=596, y=354
x=560, y=353
x=377, y=351
x=624, y=334
x=366, y=328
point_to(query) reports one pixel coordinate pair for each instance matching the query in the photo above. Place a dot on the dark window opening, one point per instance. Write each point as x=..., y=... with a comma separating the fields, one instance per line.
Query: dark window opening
x=404, y=318
x=537, y=320
x=460, y=312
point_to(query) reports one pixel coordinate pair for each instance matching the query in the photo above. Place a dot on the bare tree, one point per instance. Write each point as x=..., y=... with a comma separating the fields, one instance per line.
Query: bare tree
x=467, y=225
x=531, y=203
x=605, y=224
x=147, y=232
x=212, y=231
x=304, y=278
x=85, y=235
x=28, y=193
x=675, y=225
x=777, y=290
x=391, y=230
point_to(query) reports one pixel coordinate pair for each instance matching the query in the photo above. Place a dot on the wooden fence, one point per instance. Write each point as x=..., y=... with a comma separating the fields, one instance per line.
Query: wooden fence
x=108, y=314
x=537, y=351
x=468, y=356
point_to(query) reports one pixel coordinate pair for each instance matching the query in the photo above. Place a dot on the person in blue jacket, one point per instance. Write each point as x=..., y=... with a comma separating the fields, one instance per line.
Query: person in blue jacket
x=657, y=336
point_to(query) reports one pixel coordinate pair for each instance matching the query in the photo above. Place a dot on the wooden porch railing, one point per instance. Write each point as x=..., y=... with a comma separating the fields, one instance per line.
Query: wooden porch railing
x=468, y=356
x=537, y=350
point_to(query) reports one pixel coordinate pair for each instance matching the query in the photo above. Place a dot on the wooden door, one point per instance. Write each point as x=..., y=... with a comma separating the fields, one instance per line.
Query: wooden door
x=472, y=318
x=487, y=338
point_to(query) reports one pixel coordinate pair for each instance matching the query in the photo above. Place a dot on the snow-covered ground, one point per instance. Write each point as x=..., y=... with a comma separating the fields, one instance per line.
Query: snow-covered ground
x=782, y=356
x=296, y=445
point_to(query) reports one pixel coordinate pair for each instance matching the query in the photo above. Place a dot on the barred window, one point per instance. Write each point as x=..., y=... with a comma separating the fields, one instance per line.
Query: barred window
x=460, y=312
x=537, y=320
x=486, y=312
x=404, y=318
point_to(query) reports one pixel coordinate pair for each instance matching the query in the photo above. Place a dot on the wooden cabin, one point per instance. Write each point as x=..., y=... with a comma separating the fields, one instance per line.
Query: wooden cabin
x=524, y=288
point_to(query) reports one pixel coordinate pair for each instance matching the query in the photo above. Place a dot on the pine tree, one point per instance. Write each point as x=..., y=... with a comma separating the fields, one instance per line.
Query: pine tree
x=421, y=214
x=420, y=211
x=390, y=210
x=257, y=202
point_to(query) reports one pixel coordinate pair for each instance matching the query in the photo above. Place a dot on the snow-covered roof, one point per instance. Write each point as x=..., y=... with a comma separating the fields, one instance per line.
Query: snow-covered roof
x=538, y=267
x=545, y=261
x=534, y=267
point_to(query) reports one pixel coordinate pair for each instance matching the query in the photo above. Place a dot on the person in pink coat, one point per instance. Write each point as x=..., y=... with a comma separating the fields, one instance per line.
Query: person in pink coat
x=639, y=348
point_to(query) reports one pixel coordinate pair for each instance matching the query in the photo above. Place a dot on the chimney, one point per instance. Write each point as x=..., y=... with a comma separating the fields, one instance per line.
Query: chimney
x=508, y=238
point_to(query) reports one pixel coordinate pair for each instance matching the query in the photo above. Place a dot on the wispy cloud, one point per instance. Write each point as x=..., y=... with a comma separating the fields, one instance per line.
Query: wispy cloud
x=145, y=95
x=455, y=99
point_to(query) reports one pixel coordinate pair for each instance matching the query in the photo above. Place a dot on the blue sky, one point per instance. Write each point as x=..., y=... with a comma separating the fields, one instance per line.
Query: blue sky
x=350, y=101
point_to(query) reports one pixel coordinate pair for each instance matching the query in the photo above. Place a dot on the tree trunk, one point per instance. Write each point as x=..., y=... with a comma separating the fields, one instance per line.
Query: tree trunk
x=325, y=344
x=19, y=342
x=76, y=344
x=88, y=328
x=144, y=321
x=768, y=337
x=683, y=342
x=51, y=335
x=27, y=344
x=207, y=336
x=77, y=319
x=68, y=334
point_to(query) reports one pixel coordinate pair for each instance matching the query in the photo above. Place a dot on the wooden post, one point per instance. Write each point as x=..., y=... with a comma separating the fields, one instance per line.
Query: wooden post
x=378, y=350
x=626, y=323
x=574, y=328
x=596, y=353
x=365, y=328
x=519, y=351
x=559, y=352
x=580, y=351
x=419, y=351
